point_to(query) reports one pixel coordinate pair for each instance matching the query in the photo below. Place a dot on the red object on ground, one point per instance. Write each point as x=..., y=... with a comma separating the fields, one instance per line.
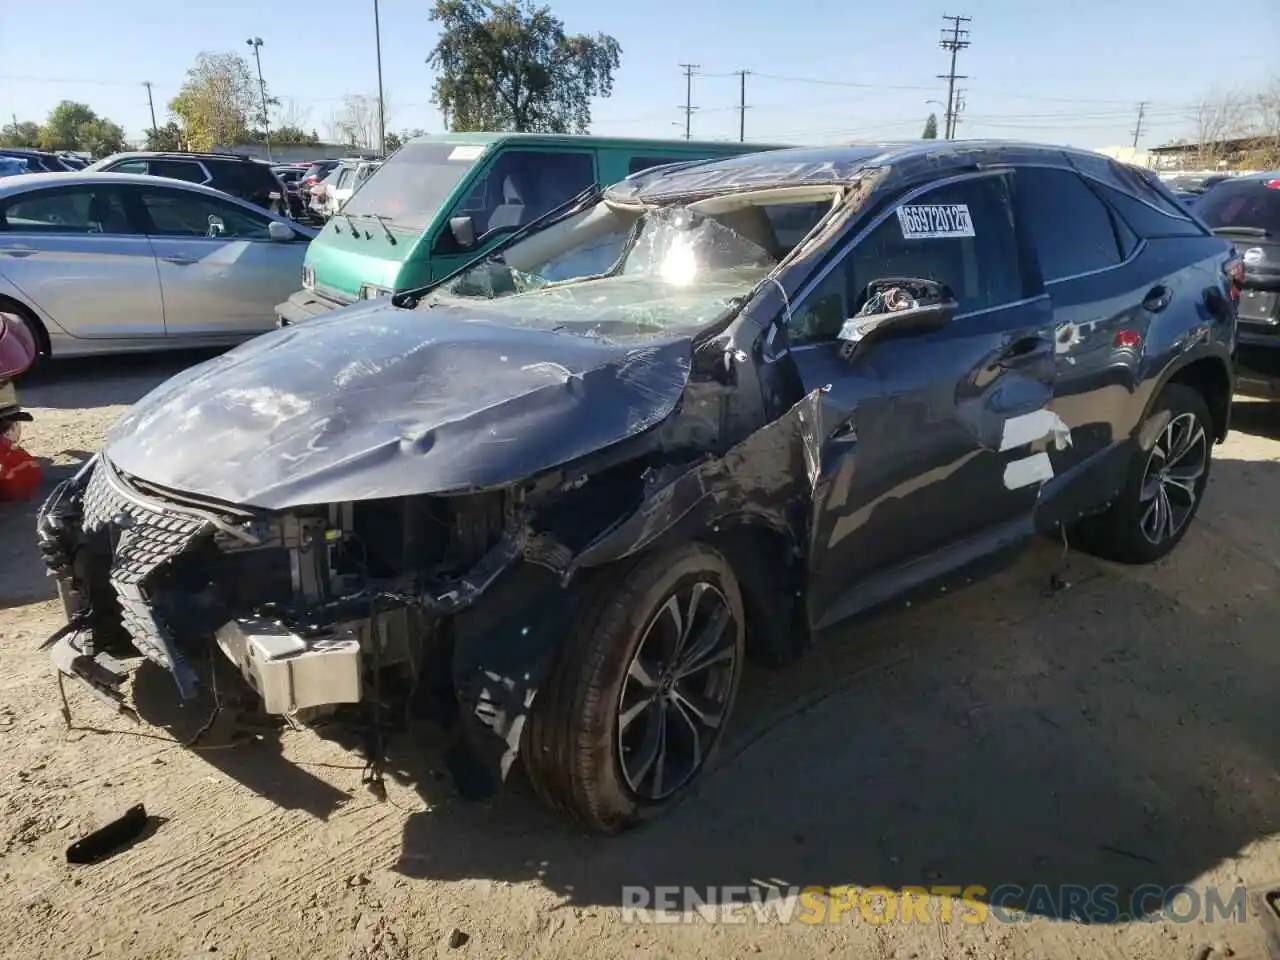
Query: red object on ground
x=20, y=473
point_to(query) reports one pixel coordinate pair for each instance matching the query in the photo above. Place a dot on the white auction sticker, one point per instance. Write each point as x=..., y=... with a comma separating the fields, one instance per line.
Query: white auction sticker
x=466, y=152
x=932, y=220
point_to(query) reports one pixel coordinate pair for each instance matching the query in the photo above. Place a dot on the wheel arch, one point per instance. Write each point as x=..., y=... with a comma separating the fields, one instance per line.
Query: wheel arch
x=10, y=304
x=1209, y=374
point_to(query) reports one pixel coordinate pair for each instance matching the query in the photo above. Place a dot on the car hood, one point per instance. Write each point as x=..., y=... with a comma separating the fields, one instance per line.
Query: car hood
x=379, y=401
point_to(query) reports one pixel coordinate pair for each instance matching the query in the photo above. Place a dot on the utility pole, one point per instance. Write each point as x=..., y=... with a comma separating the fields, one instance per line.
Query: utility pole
x=382, y=114
x=957, y=110
x=742, y=105
x=152, y=104
x=954, y=38
x=689, y=69
x=1137, y=130
x=256, y=43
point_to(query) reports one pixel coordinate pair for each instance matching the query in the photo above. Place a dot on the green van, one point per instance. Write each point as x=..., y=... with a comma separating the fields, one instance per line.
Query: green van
x=445, y=199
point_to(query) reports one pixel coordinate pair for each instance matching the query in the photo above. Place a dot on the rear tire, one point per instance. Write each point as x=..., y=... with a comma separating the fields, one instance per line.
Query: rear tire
x=632, y=712
x=1164, y=486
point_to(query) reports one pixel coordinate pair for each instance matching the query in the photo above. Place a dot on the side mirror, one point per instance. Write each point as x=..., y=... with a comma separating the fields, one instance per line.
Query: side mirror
x=897, y=307
x=464, y=231
x=280, y=232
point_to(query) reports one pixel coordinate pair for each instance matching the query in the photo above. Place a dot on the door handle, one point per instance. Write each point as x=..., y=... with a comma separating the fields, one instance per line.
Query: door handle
x=1023, y=350
x=180, y=261
x=1157, y=298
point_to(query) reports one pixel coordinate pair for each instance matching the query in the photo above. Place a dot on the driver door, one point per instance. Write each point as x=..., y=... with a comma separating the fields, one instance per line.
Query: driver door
x=932, y=443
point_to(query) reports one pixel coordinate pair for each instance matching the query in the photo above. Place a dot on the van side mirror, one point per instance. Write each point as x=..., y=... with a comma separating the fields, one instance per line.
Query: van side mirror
x=464, y=232
x=898, y=306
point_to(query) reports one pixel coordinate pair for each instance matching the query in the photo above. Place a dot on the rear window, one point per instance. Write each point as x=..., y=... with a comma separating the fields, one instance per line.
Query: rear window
x=1242, y=203
x=412, y=185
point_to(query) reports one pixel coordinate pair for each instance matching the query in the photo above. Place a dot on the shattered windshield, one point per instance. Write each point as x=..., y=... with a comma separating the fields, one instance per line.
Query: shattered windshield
x=625, y=273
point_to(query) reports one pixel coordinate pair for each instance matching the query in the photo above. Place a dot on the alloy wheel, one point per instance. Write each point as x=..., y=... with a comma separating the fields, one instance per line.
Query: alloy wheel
x=1171, y=483
x=677, y=691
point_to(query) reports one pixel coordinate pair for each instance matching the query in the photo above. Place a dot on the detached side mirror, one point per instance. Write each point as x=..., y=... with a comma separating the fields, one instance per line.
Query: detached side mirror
x=894, y=308
x=280, y=232
x=464, y=232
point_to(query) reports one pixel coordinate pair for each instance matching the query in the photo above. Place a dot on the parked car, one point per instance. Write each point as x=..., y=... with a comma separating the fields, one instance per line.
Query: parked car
x=317, y=171
x=109, y=262
x=1246, y=210
x=12, y=166
x=236, y=174
x=442, y=200
x=804, y=383
x=338, y=187
x=291, y=176
x=38, y=161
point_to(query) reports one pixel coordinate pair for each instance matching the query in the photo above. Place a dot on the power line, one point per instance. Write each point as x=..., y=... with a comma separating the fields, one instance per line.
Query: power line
x=689, y=69
x=957, y=41
x=1137, y=129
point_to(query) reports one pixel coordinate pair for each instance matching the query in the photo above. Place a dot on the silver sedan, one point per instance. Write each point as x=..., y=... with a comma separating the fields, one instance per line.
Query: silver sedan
x=113, y=262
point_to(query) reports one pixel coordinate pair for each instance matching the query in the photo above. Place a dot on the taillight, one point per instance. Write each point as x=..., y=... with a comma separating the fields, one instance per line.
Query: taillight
x=1235, y=277
x=1273, y=184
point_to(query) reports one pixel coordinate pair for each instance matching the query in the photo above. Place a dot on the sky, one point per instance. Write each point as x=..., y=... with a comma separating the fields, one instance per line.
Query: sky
x=1071, y=73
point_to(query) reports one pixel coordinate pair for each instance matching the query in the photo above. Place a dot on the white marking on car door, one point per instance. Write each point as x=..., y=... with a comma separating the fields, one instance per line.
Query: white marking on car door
x=1033, y=469
x=1030, y=427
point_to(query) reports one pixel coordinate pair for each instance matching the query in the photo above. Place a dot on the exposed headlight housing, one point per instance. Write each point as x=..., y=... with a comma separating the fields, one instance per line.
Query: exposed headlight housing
x=371, y=291
x=308, y=278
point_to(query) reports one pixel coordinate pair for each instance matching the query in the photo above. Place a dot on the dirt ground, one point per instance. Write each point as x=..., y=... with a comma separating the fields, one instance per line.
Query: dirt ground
x=1121, y=731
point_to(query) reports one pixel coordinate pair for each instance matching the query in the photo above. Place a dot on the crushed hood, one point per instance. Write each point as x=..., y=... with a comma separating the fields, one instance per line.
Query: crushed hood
x=377, y=401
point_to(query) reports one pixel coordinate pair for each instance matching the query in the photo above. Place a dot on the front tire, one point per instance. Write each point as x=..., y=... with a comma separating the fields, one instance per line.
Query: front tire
x=1164, y=486
x=641, y=690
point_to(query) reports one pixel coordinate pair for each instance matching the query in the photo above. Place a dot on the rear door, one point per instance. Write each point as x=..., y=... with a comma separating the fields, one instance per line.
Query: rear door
x=221, y=274
x=77, y=254
x=1246, y=211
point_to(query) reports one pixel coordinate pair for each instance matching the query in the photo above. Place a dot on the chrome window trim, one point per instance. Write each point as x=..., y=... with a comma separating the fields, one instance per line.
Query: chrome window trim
x=1111, y=186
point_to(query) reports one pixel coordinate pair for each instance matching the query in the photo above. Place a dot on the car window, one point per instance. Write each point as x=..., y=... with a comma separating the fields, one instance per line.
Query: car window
x=179, y=213
x=961, y=234
x=1146, y=220
x=1243, y=203
x=177, y=170
x=129, y=166
x=522, y=185
x=345, y=178
x=1072, y=229
x=91, y=210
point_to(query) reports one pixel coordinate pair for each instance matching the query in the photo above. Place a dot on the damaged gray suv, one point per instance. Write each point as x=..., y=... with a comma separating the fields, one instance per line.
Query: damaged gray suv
x=709, y=412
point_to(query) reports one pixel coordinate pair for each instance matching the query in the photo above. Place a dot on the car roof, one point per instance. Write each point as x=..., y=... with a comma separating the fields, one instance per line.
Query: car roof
x=32, y=181
x=844, y=164
x=29, y=152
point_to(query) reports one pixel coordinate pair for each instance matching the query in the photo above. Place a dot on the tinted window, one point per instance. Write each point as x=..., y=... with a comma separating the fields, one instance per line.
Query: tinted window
x=1146, y=220
x=523, y=185
x=177, y=213
x=982, y=270
x=177, y=170
x=1242, y=203
x=412, y=185
x=1070, y=226
x=77, y=210
x=129, y=166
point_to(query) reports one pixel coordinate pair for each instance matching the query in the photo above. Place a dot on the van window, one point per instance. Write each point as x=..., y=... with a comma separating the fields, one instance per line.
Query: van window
x=522, y=185
x=410, y=186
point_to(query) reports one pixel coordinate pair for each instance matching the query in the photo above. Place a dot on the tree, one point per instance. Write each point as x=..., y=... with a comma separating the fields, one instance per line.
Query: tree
x=1220, y=116
x=511, y=66
x=75, y=126
x=217, y=101
x=397, y=140
x=167, y=137
x=356, y=123
x=25, y=133
x=930, y=128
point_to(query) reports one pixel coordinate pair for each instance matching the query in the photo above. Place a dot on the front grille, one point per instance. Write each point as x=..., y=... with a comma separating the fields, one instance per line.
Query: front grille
x=143, y=538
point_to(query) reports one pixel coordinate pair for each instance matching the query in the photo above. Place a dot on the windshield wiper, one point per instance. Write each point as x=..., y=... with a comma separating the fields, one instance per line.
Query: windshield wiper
x=382, y=222
x=355, y=230
x=1241, y=232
